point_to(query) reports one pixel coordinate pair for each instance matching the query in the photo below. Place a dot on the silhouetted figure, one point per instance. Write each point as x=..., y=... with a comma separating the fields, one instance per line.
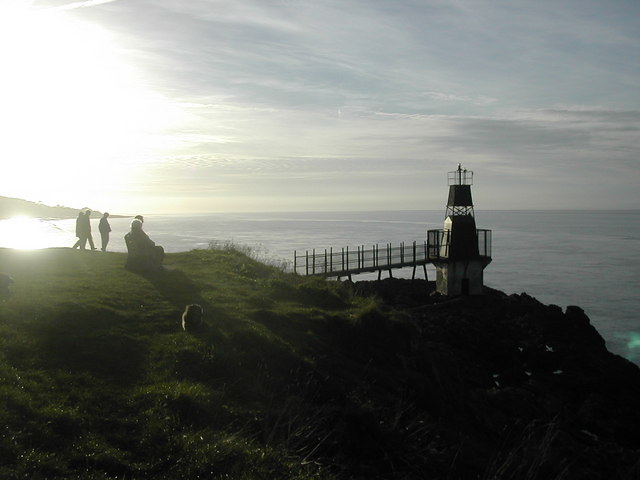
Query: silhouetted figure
x=104, y=228
x=83, y=231
x=87, y=229
x=144, y=254
x=82, y=240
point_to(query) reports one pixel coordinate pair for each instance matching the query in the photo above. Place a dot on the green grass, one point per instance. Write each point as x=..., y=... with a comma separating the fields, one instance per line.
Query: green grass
x=291, y=378
x=97, y=379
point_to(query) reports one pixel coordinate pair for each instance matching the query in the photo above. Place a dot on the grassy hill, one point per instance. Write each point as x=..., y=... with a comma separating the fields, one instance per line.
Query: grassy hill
x=293, y=378
x=99, y=380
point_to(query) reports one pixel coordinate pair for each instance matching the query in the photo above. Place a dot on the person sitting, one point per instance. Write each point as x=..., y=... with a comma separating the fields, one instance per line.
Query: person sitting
x=143, y=253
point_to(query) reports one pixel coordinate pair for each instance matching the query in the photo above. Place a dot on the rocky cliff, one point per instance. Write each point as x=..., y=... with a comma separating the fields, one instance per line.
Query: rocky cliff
x=500, y=386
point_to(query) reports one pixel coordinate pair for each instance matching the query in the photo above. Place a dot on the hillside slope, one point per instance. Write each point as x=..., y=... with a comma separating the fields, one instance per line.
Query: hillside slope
x=296, y=378
x=14, y=207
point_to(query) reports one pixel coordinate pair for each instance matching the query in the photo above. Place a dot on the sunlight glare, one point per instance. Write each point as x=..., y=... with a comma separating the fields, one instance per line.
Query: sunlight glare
x=77, y=120
x=26, y=233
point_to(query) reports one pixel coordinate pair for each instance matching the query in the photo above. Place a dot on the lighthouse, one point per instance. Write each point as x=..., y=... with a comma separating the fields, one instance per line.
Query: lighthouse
x=460, y=251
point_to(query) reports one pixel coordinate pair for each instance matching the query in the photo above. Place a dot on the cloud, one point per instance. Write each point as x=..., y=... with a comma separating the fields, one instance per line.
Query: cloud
x=452, y=97
x=425, y=57
x=544, y=153
x=284, y=97
x=81, y=4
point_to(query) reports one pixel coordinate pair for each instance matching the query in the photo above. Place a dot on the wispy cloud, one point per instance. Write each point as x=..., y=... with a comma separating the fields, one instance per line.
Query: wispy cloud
x=452, y=97
x=81, y=4
x=285, y=96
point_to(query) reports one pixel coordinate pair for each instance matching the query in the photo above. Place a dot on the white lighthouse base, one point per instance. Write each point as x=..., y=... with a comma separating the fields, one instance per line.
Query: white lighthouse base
x=460, y=277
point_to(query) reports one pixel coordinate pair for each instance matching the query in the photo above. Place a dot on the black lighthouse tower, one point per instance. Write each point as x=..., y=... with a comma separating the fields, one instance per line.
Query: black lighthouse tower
x=460, y=251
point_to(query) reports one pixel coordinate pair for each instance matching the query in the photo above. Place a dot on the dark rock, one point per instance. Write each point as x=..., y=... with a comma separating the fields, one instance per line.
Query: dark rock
x=522, y=389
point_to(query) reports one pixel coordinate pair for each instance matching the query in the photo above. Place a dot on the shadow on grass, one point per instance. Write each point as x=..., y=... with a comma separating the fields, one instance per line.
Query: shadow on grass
x=175, y=286
x=107, y=344
x=179, y=290
x=93, y=344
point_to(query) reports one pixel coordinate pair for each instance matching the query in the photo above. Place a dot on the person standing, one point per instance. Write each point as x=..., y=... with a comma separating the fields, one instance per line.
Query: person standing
x=87, y=230
x=104, y=228
x=79, y=221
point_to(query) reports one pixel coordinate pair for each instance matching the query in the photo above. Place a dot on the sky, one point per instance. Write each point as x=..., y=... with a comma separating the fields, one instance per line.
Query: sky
x=172, y=106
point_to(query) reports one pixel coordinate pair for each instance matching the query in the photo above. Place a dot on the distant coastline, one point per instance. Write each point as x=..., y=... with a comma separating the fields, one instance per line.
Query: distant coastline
x=15, y=207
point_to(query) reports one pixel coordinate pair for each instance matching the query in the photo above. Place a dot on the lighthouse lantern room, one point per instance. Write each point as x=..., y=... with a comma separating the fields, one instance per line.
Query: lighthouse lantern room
x=460, y=251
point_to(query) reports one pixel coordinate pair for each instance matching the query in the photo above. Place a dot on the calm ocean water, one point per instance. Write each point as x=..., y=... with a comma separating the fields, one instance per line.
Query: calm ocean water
x=585, y=258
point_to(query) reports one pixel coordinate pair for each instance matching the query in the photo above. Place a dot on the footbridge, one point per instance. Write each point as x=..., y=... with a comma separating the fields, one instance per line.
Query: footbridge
x=345, y=262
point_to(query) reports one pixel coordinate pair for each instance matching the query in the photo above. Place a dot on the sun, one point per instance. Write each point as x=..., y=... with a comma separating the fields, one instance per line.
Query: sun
x=78, y=122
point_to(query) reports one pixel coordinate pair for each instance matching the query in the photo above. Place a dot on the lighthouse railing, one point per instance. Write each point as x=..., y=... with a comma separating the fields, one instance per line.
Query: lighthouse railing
x=460, y=177
x=438, y=242
x=484, y=242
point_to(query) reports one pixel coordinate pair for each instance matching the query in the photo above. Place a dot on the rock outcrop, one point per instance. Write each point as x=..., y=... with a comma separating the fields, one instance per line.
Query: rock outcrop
x=498, y=386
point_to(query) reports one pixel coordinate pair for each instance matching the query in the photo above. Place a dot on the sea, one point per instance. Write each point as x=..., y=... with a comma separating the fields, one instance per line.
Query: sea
x=586, y=258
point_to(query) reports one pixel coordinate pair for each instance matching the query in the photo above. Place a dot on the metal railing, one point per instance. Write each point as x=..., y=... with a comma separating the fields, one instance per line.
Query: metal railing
x=360, y=259
x=438, y=243
x=460, y=177
x=484, y=242
x=348, y=261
